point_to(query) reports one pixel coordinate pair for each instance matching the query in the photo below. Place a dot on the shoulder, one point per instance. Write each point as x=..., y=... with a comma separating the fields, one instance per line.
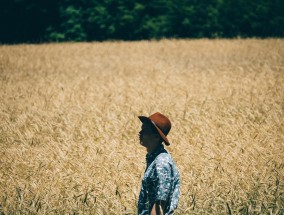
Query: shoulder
x=163, y=160
x=165, y=156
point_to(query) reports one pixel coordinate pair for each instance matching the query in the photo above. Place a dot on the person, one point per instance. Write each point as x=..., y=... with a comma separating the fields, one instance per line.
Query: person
x=160, y=187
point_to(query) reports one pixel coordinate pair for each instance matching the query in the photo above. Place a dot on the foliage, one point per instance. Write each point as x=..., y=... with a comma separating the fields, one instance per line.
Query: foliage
x=81, y=20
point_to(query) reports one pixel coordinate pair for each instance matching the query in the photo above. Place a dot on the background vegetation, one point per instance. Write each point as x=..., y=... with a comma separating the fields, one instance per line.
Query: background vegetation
x=88, y=20
x=69, y=127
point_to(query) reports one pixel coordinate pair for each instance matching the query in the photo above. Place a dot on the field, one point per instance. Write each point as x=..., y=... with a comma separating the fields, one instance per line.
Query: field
x=69, y=127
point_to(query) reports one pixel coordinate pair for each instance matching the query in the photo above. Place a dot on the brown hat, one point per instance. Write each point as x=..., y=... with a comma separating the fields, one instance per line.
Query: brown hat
x=161, y=123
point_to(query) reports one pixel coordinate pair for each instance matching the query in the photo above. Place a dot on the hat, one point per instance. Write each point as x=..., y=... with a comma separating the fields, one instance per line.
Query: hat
x=161, y=123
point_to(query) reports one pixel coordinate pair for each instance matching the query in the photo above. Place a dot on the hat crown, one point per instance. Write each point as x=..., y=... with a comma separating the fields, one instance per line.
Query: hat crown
x=162, y=122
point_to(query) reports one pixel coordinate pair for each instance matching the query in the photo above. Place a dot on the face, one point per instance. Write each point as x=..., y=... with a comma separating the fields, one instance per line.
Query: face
x=148, y=135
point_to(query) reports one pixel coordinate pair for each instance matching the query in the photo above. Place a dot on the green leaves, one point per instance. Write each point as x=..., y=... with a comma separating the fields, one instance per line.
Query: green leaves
x=81, y=20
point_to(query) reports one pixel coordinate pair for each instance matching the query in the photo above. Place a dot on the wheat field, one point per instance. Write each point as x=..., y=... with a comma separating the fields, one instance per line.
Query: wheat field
x=69, y=127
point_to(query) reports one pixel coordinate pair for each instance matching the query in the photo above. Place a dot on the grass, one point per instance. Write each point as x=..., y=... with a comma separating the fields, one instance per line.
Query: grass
x=69, y=127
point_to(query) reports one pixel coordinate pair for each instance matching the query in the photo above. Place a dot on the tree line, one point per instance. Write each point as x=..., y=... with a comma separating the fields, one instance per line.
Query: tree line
x=97, y=20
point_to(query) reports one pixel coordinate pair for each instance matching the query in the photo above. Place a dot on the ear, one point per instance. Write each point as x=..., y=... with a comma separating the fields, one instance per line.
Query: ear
x=158, y=137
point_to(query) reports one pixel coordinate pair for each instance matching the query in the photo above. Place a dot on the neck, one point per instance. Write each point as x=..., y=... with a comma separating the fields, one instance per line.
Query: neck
x=152, y=147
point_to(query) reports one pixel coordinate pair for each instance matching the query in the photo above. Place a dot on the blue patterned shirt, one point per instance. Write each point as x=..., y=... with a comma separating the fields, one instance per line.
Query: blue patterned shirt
x=161, y=182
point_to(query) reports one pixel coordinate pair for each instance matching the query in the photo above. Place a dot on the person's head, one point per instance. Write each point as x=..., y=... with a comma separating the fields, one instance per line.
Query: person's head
x=154, y=130
x=149, y=136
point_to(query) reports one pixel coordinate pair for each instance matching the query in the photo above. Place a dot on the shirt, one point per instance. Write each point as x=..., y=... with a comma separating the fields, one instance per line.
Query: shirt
x=161, y=182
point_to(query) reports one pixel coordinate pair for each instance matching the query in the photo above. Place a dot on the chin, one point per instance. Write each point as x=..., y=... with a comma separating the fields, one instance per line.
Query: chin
x=142, y=144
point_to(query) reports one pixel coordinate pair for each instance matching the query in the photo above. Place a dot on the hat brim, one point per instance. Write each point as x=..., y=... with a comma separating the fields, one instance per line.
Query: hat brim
x=146, y=119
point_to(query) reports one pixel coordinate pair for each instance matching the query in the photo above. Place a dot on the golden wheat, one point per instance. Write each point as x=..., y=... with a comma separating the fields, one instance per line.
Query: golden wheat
x=69, y=126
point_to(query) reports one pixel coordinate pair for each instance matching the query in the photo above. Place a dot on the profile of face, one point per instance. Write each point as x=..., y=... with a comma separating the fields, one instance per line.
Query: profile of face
x=148, y=135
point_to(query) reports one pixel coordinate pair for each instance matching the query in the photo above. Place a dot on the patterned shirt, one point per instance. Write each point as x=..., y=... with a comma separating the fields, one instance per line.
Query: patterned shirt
x=161, y=182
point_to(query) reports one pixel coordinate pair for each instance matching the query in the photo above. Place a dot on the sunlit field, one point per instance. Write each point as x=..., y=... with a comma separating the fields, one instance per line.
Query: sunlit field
x=69, y=127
